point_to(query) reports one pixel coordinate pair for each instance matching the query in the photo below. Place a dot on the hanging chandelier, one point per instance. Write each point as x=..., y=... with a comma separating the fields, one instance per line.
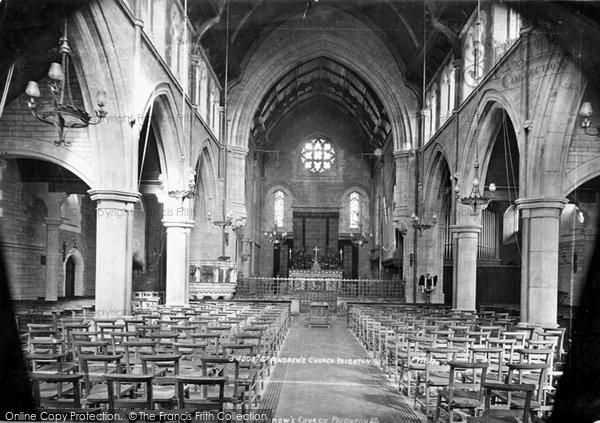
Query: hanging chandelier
x=420, y=221
x=476, y=199
x=360, y=238
x=62, y=113
x=276, y=237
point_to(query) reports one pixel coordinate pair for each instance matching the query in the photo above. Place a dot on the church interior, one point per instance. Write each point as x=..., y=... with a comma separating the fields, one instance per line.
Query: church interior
x=301, y=211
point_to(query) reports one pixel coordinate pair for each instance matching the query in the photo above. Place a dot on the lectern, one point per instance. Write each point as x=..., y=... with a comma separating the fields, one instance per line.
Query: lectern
x=319, y=314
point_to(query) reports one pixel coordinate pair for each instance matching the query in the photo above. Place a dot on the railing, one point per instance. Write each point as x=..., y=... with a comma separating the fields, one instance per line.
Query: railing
x=273, y=287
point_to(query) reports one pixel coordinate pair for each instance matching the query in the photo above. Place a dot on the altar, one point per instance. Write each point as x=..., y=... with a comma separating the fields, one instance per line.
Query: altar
x=315, y=278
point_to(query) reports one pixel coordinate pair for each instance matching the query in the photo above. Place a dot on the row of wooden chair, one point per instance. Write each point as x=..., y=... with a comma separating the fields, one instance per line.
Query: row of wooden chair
x=113, y=359
x=445, y=360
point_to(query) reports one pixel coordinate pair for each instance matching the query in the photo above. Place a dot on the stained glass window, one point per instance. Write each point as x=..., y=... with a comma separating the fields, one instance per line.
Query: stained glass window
x=278, y=206
x=354, y=210
x=317, y=155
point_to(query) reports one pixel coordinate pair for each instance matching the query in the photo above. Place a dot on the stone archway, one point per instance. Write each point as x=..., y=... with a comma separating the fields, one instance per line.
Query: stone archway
x=77, y=259
x=366, y=55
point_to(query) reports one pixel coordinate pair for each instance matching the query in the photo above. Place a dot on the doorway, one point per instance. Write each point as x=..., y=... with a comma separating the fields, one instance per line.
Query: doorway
x=70, y=278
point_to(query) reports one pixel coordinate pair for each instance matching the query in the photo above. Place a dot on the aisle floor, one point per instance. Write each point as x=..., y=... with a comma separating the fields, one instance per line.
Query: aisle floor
x=324, y=375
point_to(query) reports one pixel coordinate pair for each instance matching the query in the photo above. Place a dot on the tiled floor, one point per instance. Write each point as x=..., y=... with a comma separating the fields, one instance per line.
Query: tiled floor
x=313, y=380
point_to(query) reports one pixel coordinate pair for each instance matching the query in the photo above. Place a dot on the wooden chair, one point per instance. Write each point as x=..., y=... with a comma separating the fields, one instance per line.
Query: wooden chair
x=229, y=368
x=464, y=391
x=123, y=392
x=132, y=352
x=165, y=367
x=503, y=414
x=526, y=373
x=95, y=367
x=249, y=369
x=494, y=356
x=414, y=362
x=48, y=391
x=199, y=398
x=436, y=373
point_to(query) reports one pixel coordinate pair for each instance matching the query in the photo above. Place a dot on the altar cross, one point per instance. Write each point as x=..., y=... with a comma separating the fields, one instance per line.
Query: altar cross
x=316, y=250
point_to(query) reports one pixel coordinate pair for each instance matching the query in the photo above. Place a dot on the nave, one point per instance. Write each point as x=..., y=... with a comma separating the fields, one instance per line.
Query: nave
x=370, y=363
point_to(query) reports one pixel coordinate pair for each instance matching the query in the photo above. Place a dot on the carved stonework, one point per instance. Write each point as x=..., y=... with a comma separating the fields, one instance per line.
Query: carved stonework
x=214, y=291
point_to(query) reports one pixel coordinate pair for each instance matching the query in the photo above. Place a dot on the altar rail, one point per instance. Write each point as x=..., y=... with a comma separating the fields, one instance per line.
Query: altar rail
x=360, y=288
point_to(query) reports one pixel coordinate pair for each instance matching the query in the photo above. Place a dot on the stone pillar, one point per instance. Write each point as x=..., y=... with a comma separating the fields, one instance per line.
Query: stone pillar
x=53, y=257
x=178, y=241
x=540, y=225
x=404, y=199
x=114, y=233
x=464, y=257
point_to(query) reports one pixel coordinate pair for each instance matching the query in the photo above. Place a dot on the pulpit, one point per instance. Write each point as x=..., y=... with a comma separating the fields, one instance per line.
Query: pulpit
x=212, y=279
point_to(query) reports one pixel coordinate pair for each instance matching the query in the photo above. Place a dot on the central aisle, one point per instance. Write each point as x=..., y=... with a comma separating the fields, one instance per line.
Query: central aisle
x=324, y=373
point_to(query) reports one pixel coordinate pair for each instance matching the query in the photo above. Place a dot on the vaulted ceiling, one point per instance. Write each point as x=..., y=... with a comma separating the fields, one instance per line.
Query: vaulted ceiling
x=323, y=78
x=398, y=23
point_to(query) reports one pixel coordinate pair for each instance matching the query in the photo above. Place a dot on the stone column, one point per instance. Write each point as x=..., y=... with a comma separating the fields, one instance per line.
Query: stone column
x=540, y=224
x=404, y=206
x=178, y=239
x=464, y=257
x=53, y=257
x=114, y=226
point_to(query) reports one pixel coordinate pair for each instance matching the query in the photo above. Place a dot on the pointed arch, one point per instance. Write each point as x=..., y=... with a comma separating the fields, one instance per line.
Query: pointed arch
x=77, y=258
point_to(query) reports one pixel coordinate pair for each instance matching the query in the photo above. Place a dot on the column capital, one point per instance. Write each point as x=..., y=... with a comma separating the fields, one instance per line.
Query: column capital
x=53, y=221
x=114, y=195
x=465, y=229
x=403, y=154
x=238, y=150
x=178, y=223
x=541, y=203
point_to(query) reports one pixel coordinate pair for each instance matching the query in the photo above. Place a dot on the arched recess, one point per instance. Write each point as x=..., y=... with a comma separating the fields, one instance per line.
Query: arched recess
x=365, y=207
x=157, y=155
x=499, y=245
x=435, y=252
x=205, y=235
x=77, y=258
x=481, y=137
x=268, y=221
x=273, y=256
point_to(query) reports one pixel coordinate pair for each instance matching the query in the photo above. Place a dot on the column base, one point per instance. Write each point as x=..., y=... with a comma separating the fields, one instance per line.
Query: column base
x=538, y=325
x=463, y=310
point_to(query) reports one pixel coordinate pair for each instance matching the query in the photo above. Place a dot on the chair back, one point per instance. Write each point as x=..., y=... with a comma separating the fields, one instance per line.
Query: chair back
x=201, y=401
x=466, y=376
x=510, y=388
x=57, y=400
x=133, y=398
